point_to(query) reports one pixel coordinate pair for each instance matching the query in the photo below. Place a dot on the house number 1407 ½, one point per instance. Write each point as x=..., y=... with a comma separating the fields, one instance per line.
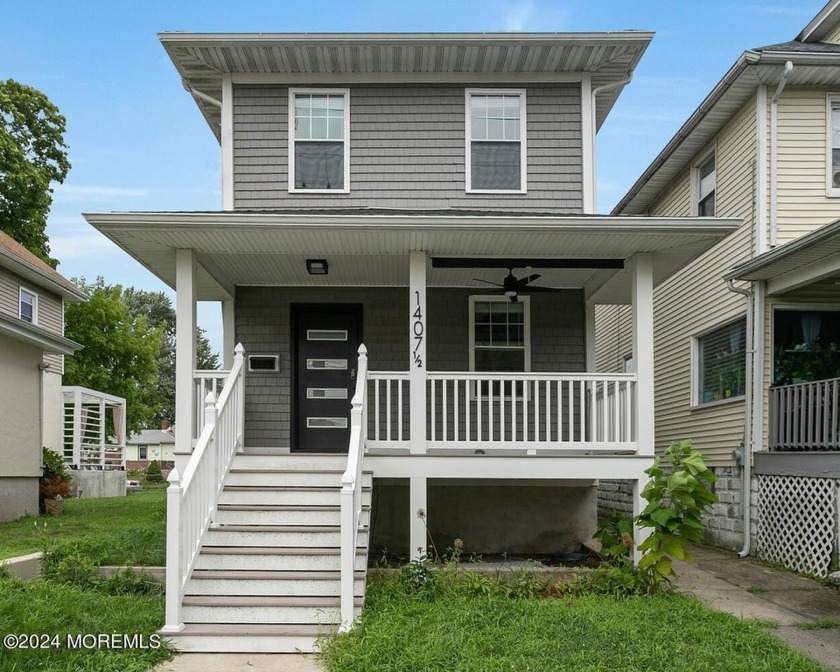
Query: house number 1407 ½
x=417, y=328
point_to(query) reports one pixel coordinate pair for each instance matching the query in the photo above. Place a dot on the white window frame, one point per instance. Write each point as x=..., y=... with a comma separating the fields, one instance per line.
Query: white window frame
x=696, y=355
x=830, y=190
x=25, y=290
x=294, y=91
x=695, y=182
x=523, y=143
x=526, y=302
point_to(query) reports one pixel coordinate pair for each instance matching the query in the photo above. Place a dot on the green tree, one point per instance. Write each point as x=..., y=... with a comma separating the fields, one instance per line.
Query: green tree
x=121, y=351
x=157, y=308
x=32, y=156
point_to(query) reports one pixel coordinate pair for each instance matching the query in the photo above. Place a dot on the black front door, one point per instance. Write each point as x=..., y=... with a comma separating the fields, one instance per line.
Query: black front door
x=327, y=340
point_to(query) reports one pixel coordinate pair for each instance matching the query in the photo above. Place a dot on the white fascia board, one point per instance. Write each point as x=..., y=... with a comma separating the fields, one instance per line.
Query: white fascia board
x=339, y=78
x=24, y=332
x=38, y=277
x=805, y=275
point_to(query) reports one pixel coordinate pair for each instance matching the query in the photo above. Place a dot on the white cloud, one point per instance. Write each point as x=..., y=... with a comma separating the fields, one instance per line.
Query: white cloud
x=79, y=192
x=76, y=246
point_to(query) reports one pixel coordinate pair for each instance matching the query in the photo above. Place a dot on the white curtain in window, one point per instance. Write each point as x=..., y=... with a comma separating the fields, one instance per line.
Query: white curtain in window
x=810, y=327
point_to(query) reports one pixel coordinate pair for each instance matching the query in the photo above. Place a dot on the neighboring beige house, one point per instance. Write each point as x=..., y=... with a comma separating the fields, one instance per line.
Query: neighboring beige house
x=32, y=345
x=150, y=444
x=763, y=147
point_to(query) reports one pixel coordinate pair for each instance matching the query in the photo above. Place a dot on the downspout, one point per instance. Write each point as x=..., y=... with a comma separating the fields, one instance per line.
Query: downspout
x=594, y=93
x=746, y=470
x=201, y=96
x=774, y=140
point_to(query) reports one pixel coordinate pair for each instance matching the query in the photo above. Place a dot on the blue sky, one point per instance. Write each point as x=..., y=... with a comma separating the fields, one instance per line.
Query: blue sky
x=138, y=142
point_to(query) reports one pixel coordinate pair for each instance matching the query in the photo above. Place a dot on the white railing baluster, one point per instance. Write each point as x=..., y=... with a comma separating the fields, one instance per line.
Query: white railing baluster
x=803, y=416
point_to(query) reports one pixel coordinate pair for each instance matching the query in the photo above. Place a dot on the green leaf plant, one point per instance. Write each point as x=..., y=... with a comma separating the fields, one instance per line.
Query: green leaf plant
x=677, y=500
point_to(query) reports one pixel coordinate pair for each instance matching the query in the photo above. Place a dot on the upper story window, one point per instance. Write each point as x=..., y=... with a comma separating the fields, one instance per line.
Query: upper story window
x=319, y=149
x=706, y=178
x=833, y=159
x=496, y=156
x=721, y=358
x=28, y=306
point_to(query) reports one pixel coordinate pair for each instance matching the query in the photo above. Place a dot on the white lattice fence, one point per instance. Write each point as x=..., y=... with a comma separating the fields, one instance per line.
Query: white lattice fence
x=797, y=522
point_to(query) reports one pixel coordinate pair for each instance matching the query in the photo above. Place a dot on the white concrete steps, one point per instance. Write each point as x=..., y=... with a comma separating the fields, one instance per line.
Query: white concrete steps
x=267, y=578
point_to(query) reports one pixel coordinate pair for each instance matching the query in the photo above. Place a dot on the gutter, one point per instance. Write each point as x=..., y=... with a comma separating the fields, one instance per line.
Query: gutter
x=747, y=446
x=198, y=95
x=774, y=151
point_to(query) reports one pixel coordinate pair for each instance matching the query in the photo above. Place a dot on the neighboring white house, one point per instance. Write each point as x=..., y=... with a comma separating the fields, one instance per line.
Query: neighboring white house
x=150, y=444
x=32, y=345
x=432, y=197
x=763, y=147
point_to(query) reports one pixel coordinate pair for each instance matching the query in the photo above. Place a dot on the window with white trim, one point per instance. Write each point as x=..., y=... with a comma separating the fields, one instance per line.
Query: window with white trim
x=28, y=310
x=706, y=178
x=496, y=157
x=142, y=452
x=833, y=158
x=721, y=358
x=319, y=148
x=500, y=334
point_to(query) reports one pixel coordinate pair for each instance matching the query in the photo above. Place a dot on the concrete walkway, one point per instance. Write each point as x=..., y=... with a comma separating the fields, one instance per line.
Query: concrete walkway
x=241, y=662
x=748, y=589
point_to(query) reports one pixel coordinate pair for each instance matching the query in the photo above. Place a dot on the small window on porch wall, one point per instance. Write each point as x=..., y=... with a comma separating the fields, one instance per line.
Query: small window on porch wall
x=722, y=362
x=500, y=334
x=706, y=177
x=319, y=154
x=496, y=157
x=806, y=345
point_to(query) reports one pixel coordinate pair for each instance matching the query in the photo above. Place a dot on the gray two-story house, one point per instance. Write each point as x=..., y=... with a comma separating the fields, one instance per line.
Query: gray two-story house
x=408, y=260
x=32, y=346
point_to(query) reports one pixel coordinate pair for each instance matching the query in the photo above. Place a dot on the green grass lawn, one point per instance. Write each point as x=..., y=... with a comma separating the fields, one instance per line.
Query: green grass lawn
x=457, y=629
x=113, y=531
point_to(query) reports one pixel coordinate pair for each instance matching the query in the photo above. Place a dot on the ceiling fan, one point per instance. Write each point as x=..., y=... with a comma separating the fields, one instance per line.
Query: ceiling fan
x=512, y=286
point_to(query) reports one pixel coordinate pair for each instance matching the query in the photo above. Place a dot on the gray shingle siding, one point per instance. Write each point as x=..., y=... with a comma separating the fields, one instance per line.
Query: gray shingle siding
x=263, y=326
x=407, y=149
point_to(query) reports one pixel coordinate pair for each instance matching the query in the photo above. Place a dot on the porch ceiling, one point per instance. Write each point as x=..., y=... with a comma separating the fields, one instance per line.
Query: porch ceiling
x=362, y=249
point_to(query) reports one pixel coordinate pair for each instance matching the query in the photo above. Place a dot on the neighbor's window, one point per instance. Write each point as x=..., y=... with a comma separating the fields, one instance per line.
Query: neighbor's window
x=722, y=362
x=319, y=156
x=142, y=453
x=706, y=179
x=806, y=345
x=28, y=306
x=496, y=144
x=834, y=147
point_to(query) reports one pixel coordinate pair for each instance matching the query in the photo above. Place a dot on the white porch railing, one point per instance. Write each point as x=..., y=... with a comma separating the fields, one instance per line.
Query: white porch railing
x=466, y=410
x=89, y=442
x=351, y=491
x=205, y=381
x=805, y=416
x=192, y=498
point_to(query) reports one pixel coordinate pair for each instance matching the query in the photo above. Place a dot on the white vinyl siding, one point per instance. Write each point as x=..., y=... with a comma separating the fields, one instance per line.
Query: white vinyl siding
x=496, y=157
x=614, y=337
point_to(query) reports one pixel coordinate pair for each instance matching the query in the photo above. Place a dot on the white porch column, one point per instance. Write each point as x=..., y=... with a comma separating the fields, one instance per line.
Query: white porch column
x=417, y=350
x=185, y=323
x=417, y=503
x=228, y=334
x=641, y=270
x=590, y=336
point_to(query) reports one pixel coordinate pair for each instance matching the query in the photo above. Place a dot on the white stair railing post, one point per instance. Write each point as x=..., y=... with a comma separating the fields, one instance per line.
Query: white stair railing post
x=174, y=580
x=239, y=356
x=212, y=457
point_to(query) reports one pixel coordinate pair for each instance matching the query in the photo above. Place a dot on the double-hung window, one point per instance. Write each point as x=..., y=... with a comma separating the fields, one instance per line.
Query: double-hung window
x=833, y=158
x=28, y=306
x=319, y=148
x=499, y=334
x=706, y=176
x=496, y=146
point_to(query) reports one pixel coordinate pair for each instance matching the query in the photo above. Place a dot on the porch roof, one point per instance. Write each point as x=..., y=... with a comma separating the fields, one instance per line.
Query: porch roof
x=371, y=248
x=811, y=260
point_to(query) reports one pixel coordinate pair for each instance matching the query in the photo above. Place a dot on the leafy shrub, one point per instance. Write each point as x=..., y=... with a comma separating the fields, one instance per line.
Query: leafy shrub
x=417, y=575
x=617, y=580
x=616, y=536
x=55, y=479
x=153, y=473
x=130, y=582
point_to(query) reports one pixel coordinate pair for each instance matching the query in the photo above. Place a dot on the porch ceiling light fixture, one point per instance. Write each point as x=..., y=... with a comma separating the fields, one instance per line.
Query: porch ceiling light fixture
x=317, y=267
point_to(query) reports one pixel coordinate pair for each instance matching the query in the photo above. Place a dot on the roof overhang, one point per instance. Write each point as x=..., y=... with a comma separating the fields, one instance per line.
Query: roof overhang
x=822, y=24
x=39, y=278
x=18, y=330
x=808, y=260
x=236, y=249
x=738, y=85
x=202, y=59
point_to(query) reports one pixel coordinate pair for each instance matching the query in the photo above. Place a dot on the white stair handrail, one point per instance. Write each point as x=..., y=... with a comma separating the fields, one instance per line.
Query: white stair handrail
x=191, y=499
x=351, y=492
